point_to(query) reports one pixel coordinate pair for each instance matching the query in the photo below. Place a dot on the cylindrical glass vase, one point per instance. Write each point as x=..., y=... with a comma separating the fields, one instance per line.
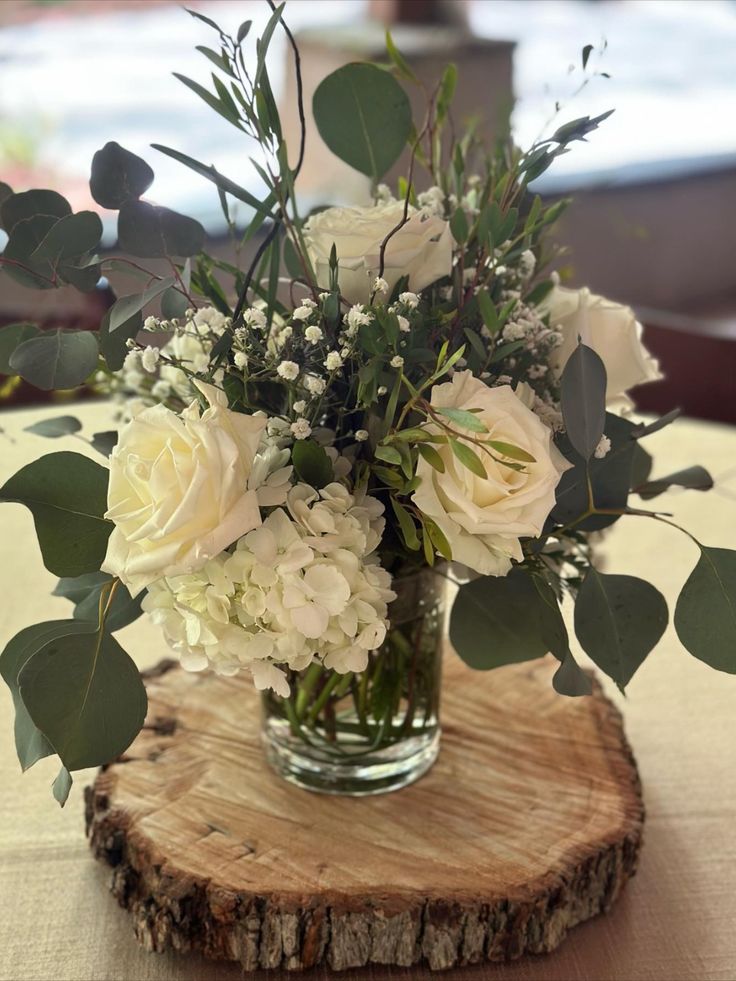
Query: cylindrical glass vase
x=373, y=732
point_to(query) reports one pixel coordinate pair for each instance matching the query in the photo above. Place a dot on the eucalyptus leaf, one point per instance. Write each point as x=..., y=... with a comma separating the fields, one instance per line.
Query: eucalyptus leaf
x=85, y=694
x=23, y=241
x=126, y=307
x=53, y=428
x=29, y=204
x=56, y=359
x=618, y=621
x=114, y=345
x=62, y=786
x=69, y=237
x=311, y=462
x=692, y=478
x=583, y=399
x=152, y=232
x=705, y=615
x=364, y=117
x=67, y=496
x=123, y=609
x=30, y=743
x=105, y=441
x=570, y=679
x=118, y=176
x=499, y=620
x=77, y=588
x=12, y=337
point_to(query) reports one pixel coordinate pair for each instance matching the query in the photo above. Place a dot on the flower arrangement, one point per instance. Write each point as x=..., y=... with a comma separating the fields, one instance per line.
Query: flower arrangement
x=385, y=398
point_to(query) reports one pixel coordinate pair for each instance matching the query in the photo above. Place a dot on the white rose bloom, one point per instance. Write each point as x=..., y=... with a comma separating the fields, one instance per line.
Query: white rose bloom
x=611, y=329
x=483, y=519
x=178, y=491
x=421, y=250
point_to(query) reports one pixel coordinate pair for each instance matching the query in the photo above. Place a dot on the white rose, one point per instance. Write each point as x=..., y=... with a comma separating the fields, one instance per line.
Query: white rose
x=611, y=329
x=483, y=519
x=421, y=250
x=178, y=490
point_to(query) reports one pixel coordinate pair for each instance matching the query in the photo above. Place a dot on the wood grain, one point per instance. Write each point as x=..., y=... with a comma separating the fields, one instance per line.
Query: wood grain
x=529, y=823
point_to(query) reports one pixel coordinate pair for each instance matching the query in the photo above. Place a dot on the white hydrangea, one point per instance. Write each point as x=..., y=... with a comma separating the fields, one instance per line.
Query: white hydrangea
x=302, y=587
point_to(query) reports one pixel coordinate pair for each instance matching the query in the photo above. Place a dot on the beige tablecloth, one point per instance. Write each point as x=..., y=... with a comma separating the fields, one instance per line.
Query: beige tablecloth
x=675, y=922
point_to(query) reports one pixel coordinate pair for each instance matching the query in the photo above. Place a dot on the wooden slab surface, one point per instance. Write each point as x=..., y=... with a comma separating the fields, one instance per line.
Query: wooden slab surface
x=529, y=823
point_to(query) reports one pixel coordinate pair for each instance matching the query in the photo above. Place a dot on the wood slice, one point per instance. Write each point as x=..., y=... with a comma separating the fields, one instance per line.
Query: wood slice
x=529, y=823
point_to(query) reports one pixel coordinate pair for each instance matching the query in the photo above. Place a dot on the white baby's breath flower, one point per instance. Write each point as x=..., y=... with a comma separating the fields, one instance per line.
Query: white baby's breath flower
x=397, y=361
x=361, y=435
x=313, y=334
x=603, y=448
x=301, y=429
x=132, y=361
x=410, y=299
x=382, y=389
x=253, y=317
x=200, y=363
x=380, y=285
x=404, y=325
x=288, y=370
x=527, y=263
x=302, y=313
x=357, y=316
x=314, y=384
x=300, y=406
x=333, y=361
x=151, y=323
x=240, y=359
x=149, y=359
x=161, y=390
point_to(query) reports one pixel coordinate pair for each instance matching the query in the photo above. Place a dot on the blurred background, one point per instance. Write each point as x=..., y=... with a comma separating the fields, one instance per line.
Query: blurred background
x=654, y=218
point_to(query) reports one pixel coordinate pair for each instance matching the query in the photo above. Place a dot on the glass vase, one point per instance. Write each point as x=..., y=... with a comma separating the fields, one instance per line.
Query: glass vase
x=373, y=732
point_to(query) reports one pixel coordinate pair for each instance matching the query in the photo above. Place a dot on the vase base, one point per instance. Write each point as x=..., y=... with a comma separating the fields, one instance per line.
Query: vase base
x=359, y=776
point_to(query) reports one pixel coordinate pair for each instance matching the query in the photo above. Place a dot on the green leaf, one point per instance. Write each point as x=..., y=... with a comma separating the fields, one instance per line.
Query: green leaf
x=468, y=420
x=499, y=620
x=389, y=454
x=6, y=191
x=62, y=785
x=105, y=441
x=705, y=615
x=430, y=454
x=29, y=204
x=12, y=337
x=610, y=478
x=151, y=232
x=263, y=208
x=583, y=399
x=226, y=109
x=641, y=431
x=693, y=478
x=312, y=464
x=118, y=176
x=30, y=743
x=125, y=308
x=438, y=539
x=243, y=30
x=53, y=428
x=468, y=458
x=22, y=242
x=85, y=694
x=586, y=54
x=570, y=679
x=618, y=621
x=364, y=117
x=459, y=226
x=56, y=358
x=123, y=609
x=446, y=92
x=71, y=236
x=77, y=588
x=113, y=345
x=399, y=61
x=511, y=451
x=406, y=523
x=641, y=466
x=173, y=304
x=488, y=312
x=67, y=495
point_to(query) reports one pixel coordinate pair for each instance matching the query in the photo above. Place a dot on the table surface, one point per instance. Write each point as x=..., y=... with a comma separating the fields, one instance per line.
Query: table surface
x=675, y=920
